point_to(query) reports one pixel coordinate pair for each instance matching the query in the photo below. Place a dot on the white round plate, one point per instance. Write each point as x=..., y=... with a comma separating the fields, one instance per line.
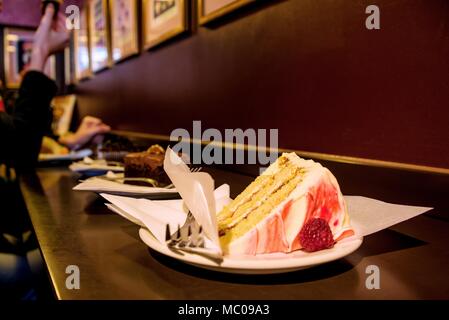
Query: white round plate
x=95, y=168
x=259, y=264
x=76, y=155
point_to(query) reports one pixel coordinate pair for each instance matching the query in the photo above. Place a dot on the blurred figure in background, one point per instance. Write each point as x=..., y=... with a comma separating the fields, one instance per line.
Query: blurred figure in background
x=21, y=133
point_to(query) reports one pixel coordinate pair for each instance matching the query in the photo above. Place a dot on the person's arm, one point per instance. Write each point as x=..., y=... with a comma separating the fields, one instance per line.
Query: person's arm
x=90, y=128
x=51, y=36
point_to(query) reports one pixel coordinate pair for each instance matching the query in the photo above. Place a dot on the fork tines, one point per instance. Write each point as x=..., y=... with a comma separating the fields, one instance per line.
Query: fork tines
x=191, y=236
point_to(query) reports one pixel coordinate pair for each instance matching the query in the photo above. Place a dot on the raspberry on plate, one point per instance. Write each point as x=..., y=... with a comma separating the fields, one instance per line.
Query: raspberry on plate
x=316, y=235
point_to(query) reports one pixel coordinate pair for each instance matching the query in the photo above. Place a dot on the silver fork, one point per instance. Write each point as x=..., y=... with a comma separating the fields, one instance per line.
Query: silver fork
x=197, y=169
x=190, y=238
x=190, y=234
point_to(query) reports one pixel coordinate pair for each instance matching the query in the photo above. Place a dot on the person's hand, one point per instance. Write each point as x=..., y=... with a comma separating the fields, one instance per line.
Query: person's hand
x=89, y=128
x=51, y=36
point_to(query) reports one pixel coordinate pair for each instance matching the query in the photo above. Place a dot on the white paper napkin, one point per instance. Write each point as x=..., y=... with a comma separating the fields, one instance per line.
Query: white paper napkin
x=197, y=191
x=155, y=215
x=369, y=215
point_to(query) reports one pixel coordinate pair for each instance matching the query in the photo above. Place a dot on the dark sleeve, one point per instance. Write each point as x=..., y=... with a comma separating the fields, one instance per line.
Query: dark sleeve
x=21, y=133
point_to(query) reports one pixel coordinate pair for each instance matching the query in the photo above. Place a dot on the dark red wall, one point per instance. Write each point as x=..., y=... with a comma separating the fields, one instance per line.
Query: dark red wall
x=20, y=13
x=25, y=13
x=309, y=68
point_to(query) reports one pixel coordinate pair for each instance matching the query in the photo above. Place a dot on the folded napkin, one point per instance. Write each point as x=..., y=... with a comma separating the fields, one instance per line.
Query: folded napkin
x=155, y=215
x=369, y=215
x=197, y=191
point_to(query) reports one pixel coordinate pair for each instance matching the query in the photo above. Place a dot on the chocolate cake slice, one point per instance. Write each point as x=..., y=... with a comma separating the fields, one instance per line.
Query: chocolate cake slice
x=147, y=164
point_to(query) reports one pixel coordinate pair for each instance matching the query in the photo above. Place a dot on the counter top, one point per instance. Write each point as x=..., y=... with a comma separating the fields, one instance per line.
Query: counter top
x=76, y=228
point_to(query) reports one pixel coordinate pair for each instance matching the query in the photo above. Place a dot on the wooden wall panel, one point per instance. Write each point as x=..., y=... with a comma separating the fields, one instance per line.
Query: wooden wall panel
x=309, y=68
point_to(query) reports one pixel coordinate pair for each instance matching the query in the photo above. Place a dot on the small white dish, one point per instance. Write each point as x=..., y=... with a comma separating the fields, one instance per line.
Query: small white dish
x=88, y=165
x=72, y=156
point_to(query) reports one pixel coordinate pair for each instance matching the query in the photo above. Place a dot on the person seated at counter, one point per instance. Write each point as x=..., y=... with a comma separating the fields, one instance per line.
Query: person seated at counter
x=21, y=133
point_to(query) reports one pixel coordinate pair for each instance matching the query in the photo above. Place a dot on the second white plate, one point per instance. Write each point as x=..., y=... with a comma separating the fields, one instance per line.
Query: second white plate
x=72, y=156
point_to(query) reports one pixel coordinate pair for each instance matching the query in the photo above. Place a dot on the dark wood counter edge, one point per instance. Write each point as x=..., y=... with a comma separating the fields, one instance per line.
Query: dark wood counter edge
x=36, y=202
x=305, y=154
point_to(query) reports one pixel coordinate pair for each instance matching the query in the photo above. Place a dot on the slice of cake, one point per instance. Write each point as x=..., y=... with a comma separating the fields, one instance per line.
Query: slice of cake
x=147, y=164
x=295, y=204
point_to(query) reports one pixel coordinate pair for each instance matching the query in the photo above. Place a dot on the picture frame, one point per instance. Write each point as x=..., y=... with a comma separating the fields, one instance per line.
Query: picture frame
x=99, y=43
x=68, y=80
x=124, y=29
x=69, y=63
x=209, y=10
x=81, y=50
x=163, y=20
x=17, y=47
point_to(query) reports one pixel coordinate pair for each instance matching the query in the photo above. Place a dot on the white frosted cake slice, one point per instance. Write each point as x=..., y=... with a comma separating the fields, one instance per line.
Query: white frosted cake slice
x=295, y=204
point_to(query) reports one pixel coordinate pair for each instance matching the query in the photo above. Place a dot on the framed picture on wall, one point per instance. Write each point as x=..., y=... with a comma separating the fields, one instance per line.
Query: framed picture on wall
x=124, y=39
x=18, y=45
x=211, y=9
x=69, y=64
x=81, y=52
x=99, y=34
x=162, y=20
